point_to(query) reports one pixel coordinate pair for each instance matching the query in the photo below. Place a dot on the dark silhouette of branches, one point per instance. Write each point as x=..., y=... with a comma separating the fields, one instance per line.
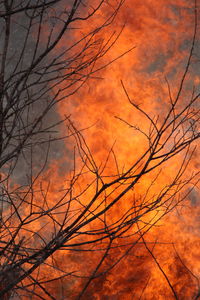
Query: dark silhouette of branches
x=41, y=218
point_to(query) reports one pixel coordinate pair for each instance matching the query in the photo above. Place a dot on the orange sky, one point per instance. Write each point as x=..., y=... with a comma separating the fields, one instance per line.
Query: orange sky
x=160, y=32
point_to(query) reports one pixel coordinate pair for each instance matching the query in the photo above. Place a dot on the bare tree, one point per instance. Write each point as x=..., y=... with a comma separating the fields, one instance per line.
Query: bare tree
x=43, y=218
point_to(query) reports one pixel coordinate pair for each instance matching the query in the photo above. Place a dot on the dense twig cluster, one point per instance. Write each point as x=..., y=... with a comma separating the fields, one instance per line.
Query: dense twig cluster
x=79, y=218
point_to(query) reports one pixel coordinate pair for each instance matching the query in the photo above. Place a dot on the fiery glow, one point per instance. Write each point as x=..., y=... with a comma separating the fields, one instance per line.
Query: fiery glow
x=161, y=32
x=156, y=258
